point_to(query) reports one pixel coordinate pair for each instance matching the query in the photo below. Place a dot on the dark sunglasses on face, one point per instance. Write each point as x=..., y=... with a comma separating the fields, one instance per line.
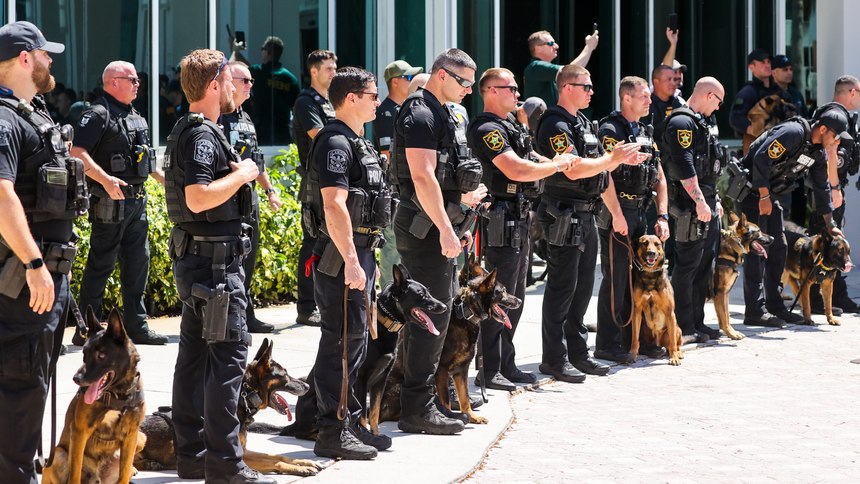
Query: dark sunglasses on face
x=718, y=99
x=463, y=82
x=134, y=80
x=408, y=77
x=550, y=43
x=585, y=87
x=245, y=80
x=514, y=89
x=374, y=96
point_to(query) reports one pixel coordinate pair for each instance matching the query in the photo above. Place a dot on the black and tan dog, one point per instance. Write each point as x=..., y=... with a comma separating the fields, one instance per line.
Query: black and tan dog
x=824, y=256
x=264, y=378
x=654, y=298
x=480, y=297
x=739, y=239
x=100, y=436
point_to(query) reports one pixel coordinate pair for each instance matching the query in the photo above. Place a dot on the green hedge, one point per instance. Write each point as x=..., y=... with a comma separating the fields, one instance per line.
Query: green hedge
x=275, y=278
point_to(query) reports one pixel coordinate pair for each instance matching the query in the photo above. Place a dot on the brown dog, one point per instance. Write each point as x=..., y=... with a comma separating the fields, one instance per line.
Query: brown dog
x=264, y=378
x=765, y=114
x=101, y=436
x=738, y=240
x=653, y=296
x=824, y=256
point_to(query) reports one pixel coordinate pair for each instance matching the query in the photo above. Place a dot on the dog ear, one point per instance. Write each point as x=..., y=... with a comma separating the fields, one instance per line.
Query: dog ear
x=489, y=282
x=115, y=326
x=400, y=274
x=262, y=351
x=734, y=220
x=93, y=324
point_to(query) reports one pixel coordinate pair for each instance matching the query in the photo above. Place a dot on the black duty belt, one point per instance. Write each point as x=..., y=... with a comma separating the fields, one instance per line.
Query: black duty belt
x=204, y=246
x=632, y=201
x=369, y=241
x=134, y=191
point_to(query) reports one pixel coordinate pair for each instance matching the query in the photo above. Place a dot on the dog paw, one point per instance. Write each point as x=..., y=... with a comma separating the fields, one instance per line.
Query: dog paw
x=834, y=322
x=735, y=335
x=308, y=463
x=477, y=419
x=675, y=360
x=306, y=471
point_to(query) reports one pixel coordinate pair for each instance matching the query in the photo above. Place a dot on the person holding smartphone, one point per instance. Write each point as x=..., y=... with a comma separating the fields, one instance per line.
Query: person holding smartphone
x=539, y=75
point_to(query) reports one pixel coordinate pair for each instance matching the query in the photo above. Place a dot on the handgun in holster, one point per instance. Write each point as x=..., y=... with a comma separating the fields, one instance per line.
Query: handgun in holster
x=13, y=274
x=495, y=231
x=739, y=181
x=559, y=231
x=213, y=307
x=462, y=219
x=330, y=261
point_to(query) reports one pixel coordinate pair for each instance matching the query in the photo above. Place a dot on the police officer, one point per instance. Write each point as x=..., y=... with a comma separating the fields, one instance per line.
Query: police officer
x=567, y=204
x=761, y=85
x=622, y=217
x=311, y=112
x=112, y=139
x=35, y=252
x=513, y=174
x=693, y=162
x=663, y=101
x=241, y=133
x=351, y=195
x=434, y=170
x=207, y=188
x=776, y=160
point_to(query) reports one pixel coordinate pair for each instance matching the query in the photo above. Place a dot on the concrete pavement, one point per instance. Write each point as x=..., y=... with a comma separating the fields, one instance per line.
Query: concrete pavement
x=728, y=412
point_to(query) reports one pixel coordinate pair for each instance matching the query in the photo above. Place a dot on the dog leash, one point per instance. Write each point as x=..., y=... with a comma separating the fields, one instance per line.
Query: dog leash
x=343, y=406
x=629, y=245
x=815, y=262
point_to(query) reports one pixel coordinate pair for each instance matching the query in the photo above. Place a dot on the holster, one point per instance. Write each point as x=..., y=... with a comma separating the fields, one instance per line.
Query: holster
x=603, y=217
x=502, y=228
x=107, y=210
x=330, y=261
x=688, y=228
x=310, y=222
x=461, y=219
x=178, y=243
x=13, y=275
x=213, y=307
x=739, y=182
x=560, y=229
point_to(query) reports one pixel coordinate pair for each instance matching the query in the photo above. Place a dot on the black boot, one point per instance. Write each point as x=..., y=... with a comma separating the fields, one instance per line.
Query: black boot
x=431, y=422
x=378, y=442
x=340, y=443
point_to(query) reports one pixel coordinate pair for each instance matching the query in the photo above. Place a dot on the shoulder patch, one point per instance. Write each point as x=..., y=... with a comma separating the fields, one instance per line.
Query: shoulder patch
x=775, y=150
x=668, y=111
x=204, y=151
x=685, y=138
x=494, y=140
x=336, y=161
x=85, y=118
x=5, y=132
x=559, y=142
x=608, y=143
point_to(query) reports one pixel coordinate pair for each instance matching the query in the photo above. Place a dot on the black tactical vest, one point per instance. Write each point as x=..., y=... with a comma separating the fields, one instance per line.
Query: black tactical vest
x=559, y=186
x=498, y=185
x=792, y=165
x=328, y=115
x=127, y=154
x=849, y=145
x=49, y=182
x=638, y=179
x=709, y=155
x=370, y=200
x=234, y=208
x=242, y=135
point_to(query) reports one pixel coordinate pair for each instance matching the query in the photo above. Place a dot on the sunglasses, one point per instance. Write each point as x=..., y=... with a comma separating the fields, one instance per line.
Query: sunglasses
x=408, y=77
x=514, y=89
x=374, y=96
x=134, y=80
x=245, y=80
x=550, y=43
x=585, y=87
x=220, y=69
x=718, y=99
x=463, y=82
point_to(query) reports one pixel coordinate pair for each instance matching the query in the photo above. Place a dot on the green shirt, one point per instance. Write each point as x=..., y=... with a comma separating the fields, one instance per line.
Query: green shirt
x=274, y=92
x=539, y=81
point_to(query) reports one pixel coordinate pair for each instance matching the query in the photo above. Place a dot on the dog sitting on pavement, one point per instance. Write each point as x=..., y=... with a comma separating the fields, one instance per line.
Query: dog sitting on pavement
x=738, y=240
x=100, y=436
x=654, y=298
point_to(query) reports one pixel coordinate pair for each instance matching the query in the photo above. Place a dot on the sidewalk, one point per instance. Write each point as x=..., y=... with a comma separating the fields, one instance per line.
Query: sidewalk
x=418, y=458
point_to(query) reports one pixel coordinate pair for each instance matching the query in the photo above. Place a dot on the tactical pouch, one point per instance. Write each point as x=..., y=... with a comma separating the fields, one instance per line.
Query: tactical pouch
x=739, y=184
x=246, y=200
x=420, y=225
x=461, y=219
x=59, y=258
x=117, y=163
x=52, y=189
x=108, y=211
x=142, y=160
x=13, y=276
x=178, y=244
x=356, y=205
x=79, y=193
x=382, y=209
x=603, y=217
x=310, y=222
x=469, y=174
x=688, y=228
x=495, y=233
x=215, y=306
x=559, y=231
x=445, y=174
x=331, y=261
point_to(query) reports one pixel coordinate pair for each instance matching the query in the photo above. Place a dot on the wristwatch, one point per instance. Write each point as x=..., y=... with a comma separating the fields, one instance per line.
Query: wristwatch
x=664, y=216
x=35, y=263
x=270, y=191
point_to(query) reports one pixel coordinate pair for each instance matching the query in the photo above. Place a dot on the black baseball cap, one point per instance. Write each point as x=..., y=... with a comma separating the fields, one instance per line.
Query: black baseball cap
x=780, y=61
x=835, y=120
x=23, y=36
x=758, y=54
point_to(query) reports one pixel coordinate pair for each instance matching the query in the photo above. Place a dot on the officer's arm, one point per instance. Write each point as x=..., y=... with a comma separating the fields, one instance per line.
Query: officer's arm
x=422, y=166
x=13, y=224
x=662, y=191
x=520, y=170
x=202, y=197
x=832, y=152
x=312, y=133
x=158, y=175
x=669, y=58
x=818, y=180
x=621, y=153
x=338, y=223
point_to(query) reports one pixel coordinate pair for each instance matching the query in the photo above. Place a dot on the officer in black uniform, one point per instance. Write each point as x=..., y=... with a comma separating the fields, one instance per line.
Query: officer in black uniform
x=663, y=101
x=622, y=217
x=776, y=160
x=310, y=113
x=513, y=174
x=112, y=139
x=36, y=251
x=434, y=169
x=207, y=189
x=566, y=212
x=349, y=193
x=693, y=161
x=242, y=135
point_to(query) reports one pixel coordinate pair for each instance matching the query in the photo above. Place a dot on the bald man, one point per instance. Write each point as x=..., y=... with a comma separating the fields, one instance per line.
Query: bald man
x=112, y=139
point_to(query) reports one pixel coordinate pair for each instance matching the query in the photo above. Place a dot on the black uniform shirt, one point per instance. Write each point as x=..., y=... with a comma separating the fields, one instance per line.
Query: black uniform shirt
x=681, y=138
x=383, y=125
x=309, y=113
x=746, y=98
x=18, y=140
x=335, y=160
x=422, y=126
x=659, y=110
x=555, y=134
x=95, y=127
x=239, y=126
x=488, y=138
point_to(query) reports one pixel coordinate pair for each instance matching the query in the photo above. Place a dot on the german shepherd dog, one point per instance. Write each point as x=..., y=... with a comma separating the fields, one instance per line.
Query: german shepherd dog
x=403, y=301
x=738, y=240
x=823, y=255
x=653, y=296
x=100, y=436
x=765, y=114
x=263, y=379
x=480, y=298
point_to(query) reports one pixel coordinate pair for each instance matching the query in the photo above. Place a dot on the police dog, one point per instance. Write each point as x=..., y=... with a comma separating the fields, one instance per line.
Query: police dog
x=766, y=113
x=263, y=379
x=100, y=436
x=653, y=296
x=824, y=256
x=738, y=240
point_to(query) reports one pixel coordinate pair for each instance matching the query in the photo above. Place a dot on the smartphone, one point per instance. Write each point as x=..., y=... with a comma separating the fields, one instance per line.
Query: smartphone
x=673, y=22
x=240, y=36
x=594, y=28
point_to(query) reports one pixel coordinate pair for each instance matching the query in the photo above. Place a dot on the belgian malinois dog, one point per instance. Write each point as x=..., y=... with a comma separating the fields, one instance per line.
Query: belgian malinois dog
x=264, y=378
x=739, y=239
x=101, y=436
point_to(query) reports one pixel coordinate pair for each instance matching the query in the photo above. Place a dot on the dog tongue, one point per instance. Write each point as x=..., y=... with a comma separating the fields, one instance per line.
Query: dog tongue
x=760, y=248
x=94, y=391
x=502, y=315
x=428, y=323
x=848, y=266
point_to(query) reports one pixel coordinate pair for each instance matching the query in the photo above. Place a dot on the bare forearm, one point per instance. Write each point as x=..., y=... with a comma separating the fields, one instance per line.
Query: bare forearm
x=91, y=168
x=583, y=57
x=339, y=227
x=662, y=192
x=204, y=197
x=13, y=224
x=592, y=166
x=691, y=186
x=263, y=180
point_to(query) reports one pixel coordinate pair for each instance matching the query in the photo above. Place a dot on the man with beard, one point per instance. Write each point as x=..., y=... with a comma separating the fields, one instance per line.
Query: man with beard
x=207, y=188
x=112, y=139
x=33, y=291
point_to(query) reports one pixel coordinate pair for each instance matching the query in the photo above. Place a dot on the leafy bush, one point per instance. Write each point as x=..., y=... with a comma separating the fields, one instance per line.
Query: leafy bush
x=275, y=278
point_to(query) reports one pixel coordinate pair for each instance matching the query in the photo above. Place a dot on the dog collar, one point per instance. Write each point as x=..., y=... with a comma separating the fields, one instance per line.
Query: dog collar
x=132, y=398
x=387, y=319
x=824, y=267
x=249, y=399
